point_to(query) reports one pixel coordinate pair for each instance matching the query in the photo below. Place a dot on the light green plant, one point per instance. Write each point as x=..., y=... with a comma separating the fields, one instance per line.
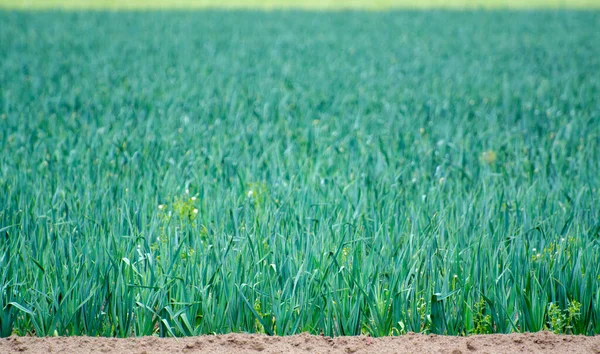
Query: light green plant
x=561, y=321
x=482, y=321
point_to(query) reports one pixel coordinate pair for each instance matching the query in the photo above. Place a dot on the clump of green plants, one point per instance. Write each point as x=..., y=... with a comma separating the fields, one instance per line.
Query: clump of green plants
x=562, y=321
x=481, y=320
x=178, y=218
x=181, y=212
x=257, y=194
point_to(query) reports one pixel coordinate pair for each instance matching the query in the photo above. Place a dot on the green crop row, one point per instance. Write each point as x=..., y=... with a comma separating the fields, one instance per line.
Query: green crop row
x=341, y=173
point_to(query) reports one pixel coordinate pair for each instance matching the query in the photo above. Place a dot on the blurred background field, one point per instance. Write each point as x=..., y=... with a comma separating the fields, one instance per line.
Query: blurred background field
x=306, y=4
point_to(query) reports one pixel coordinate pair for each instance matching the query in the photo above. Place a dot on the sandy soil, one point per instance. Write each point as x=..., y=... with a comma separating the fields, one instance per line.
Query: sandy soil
x=542, y=342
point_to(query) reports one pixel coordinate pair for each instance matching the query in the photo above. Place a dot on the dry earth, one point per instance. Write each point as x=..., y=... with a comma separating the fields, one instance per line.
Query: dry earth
x=542, y=342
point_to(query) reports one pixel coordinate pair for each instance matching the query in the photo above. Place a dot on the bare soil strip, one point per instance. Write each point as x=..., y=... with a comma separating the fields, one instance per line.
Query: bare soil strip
x=542, y=342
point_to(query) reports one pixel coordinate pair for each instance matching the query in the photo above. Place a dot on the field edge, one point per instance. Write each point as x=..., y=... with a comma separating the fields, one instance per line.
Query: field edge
x=491, y=343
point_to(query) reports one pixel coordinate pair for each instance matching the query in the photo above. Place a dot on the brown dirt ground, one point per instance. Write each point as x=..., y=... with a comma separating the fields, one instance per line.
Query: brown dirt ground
x=542, y=342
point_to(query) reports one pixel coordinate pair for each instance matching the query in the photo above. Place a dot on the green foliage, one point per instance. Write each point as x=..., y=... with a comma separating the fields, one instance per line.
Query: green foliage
x=482, y=321
x=561, y=321
x=183, y=173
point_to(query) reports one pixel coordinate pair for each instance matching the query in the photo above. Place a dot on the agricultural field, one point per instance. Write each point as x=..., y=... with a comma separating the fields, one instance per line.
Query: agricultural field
x=339, y=173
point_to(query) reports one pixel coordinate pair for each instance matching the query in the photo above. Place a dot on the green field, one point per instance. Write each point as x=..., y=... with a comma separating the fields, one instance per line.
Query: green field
x=306, y=4
x=341, y=173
